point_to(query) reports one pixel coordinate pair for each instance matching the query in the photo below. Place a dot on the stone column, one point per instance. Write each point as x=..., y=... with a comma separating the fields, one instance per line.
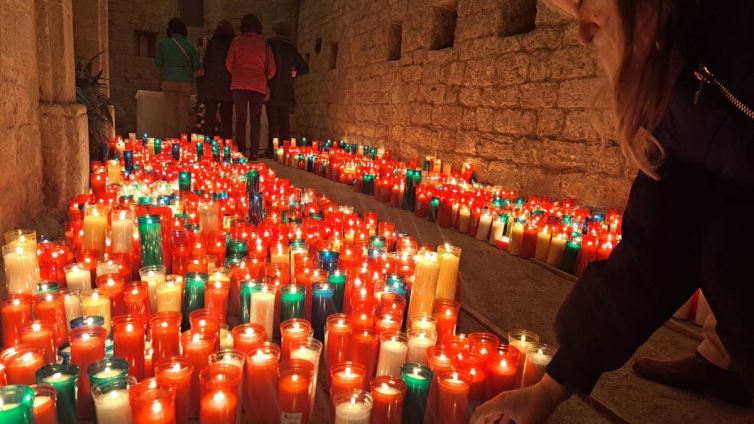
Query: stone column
x=63, y=122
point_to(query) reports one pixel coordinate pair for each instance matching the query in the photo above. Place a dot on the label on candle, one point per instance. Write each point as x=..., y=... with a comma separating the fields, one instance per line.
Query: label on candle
x=291, y=418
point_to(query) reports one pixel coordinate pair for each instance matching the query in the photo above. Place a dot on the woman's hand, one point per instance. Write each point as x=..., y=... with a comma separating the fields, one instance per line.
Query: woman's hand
x=530, y=405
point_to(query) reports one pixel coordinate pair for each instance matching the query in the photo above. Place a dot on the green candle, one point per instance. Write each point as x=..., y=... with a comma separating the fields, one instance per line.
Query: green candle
x=193, y=297
x=199, y=150
x=367, y=184
x=570, y=255
x=292, y=302
x=252, y=180
x=247, y=286
x=157, y=146
x=417, y=378
x=184, y=181
x=337, y=279
x=17, y=405
x=107, y=370
x=63, y=377
x=150, y=235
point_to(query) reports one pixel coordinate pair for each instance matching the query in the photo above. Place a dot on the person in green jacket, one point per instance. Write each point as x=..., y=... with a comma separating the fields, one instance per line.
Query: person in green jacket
x=177, y=59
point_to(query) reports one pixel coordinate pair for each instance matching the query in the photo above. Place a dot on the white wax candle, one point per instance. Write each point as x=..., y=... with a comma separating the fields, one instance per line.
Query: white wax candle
x=448, y=276
x=21, y=270
x=78, y=278
x=517, y=239
x=484, y=226
x=463, y=219
x=72, y=308
x=496, y=232
x=312, y=356
x=263, y=310
x=352, y=412
x=392, y=356
x=113, y=407
x=418, y=345
x=153, y=279
x=122, y=234
x=107, y=268
x=97, y=305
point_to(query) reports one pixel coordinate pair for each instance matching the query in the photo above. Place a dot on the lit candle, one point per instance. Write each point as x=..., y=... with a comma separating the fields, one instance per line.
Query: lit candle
x=15, y=311
x=497, y=231
x=387, y=395
x=453, y=396
x=21, y=269
x=94, y=304
x=291, y=331
x=247, y=337
x=417, y=379
x=446, y=317
x=216, y=298
x=353, y=407
x=338, y=339
x=426, y=274
x=152, y=402
x=522, y=340
x=346, y=377
x=44, y=404
x=169, y=297
x=219, y=393
x=517, y=237
x=261, y=377
x=111, y=402
x=20, y=363
x=501, y=371
x=154, y=276
x=78, y=277
x=42, y=335
x=196, y=348
x=292, y=302
x=364, y=349
x=482, y=343
x=485, y=222
x=418, y=342
x=128, y=342
x=177, y=371
x=293, y=391
x=63, y=377
x=393, y=354
x=309, y=350
x=537, y=359
x=262, y=309
x=464, y=215
x=95, y=228
x=16, y=404
x=87, y=347
x=543, y=244
x=447, y=280
x=475, y=366
x=323, y=305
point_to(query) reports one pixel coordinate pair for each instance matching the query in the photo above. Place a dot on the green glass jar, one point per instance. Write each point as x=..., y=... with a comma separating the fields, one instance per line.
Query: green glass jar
x=247, y=287
x=292, y=302
x=184, y=181
x=63, y=377
x=337, y=279
x=193, y=297
x=417, y=378
x=150, y=235
x=18, y=405
x=107, y=370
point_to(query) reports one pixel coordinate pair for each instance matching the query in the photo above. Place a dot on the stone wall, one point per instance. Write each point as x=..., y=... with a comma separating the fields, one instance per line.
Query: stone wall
x=511, y=99
x=130, y=72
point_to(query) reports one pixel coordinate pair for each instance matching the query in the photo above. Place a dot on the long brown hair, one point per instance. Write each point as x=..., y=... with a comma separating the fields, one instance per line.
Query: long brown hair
x=649, y=68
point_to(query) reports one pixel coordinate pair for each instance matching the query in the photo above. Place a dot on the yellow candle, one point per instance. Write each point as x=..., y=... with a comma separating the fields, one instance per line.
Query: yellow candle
x=449, y=258
x=95, y=228
x=169, y=297
x=122, y=232
x=517, y=238
x=426, y=273
x=114, y=172
x=93, y=303
x=543, y=244
x=556, y=250
x=463, y=219
x=21, y=269
x=485, y=222
x=279, y=255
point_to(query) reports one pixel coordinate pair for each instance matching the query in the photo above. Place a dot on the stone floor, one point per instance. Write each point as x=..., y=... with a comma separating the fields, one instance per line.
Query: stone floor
x=528, y=296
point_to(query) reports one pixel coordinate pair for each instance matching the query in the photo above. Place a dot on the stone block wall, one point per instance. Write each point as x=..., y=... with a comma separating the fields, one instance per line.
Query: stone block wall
x=512, y=94
x=130, y=72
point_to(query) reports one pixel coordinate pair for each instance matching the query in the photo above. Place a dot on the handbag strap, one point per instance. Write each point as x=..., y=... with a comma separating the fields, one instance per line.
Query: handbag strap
x=183, y=52
x=266, y=58
x=705, y=76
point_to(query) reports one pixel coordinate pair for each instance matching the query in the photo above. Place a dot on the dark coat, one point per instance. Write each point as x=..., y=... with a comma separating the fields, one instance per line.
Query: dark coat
x=286, y=58
x=216, y=81
x=691, y=229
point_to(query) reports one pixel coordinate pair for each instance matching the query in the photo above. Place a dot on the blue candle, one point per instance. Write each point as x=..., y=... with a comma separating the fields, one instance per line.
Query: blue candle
x=328, y=260
x=323, y=304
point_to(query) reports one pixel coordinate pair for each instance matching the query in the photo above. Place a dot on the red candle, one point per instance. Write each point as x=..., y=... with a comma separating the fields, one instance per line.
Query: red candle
x=261, y=379
x=440, y=358
x=475, y=366
x=128, y=343
x=529, y=244
x=196, y=348
x=388, y=393
x=165, y=328
x=247, y=337
x=293, y=391
x=44, y=404
x=216, y=297
x=177, y=371
x=152, y=402
x=453, y=389
x=206, y=321
x=21, y=362
x=483, y=343
x=456, y=343
x=87, y=347
x=364, y=350
x=112, y=286
x=346, y=377
x=50, y=308
x=15, y=311
x=446, y=316
x=291, y=331
x=502, y=365
x=387, y=323
x=394, y=304
x=136, y=299
x=219, y=393
x=42, y=335
x=338, y=336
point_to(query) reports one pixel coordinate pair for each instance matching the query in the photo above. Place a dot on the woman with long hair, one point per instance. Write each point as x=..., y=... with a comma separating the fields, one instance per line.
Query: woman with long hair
x=215, y=88
x=682, y=79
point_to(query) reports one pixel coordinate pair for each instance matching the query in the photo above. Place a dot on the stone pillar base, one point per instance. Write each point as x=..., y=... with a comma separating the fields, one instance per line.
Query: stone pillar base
x=65, y=152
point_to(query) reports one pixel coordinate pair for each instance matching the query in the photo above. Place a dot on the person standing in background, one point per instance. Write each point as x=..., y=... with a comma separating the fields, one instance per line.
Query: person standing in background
x=250, y=63
x=215, y=88
x=177, y=59
x=282, y=97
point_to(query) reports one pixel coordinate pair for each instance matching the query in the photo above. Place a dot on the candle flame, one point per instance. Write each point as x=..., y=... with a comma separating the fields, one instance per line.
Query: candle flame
x=176, y=367
x=28, y=357
x=57, y=375
x=36, y=327
x=156, y=407
x=539, y=351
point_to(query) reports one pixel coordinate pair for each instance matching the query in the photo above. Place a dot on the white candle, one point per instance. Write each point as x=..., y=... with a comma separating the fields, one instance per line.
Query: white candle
x=95, y=229
x=113, y=407
x=463, y=219
x=78, y=278
x=425, y=284
x=154, y=276
x=122, y=232
x=108, y=267
x=496, y=232
x=536, y=365
x=352, y=412
x=279, y=255
x=21, y=269
x=312, y=356
x=484, y=226
x=449, y=259
x=72, y=307
x=454, y=213
x=92, y=303
x=263, y=310
x=418, y=343
x=517, y=238
x=393, y=354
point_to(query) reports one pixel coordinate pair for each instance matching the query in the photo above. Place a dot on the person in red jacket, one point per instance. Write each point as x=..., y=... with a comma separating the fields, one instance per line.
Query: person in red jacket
x=250, y=63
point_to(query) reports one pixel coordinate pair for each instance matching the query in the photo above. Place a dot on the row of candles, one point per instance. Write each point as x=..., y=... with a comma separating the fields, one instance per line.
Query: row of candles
x=164, y=302
x=559, y=234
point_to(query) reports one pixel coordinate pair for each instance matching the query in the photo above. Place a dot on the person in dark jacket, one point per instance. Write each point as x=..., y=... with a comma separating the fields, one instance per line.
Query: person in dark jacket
x=290, y=64
x=215, y=87
x=688, y=223
x=251, y=65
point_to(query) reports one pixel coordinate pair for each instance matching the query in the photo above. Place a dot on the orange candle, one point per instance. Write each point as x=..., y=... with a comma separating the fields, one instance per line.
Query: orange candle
x=346, y=377
x=15, y=311
x=388, y=393
x=44, y=404
x=152, y=402
x=440, y=358
x=453, y=388
x=177, y=371
x=128, y=343
x=196, y=348
x=293, y=391
x=446, y=316
x=387, y=323
x=136, y=299
x=502, y=366
x=207, y=321
x=483, y=343
x=216, y=298
x=475, y=366
x=364, y=349
x=291, y=331
x=219, y=393
x=261, y=378
x=165, y=328
x=21, y=362
x=42, y=335
x=338, y=336
x=87, y=347
x=247, y=337
x=50, y=308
